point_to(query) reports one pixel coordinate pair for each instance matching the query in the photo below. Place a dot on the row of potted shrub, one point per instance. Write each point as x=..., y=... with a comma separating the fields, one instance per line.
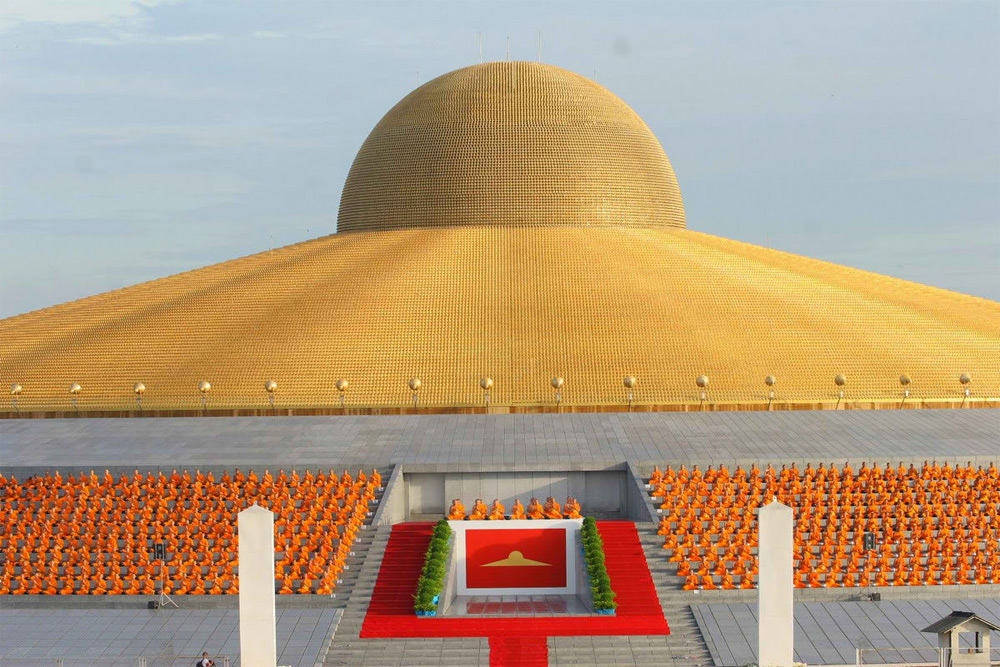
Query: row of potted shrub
x=597, y=572
x=431, y=581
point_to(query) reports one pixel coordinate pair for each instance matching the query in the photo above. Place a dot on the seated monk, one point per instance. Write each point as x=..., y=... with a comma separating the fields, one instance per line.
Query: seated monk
x=517, y=510
x=691, y=583
x=746, y=582
x=457, y=510
x=552, y=509
x=535, y=509
x=479, y=510
x=497, y=511
x=572, y=508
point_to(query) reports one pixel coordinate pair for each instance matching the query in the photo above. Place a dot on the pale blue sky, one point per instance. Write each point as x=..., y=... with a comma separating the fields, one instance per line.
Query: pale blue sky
x=143, y=139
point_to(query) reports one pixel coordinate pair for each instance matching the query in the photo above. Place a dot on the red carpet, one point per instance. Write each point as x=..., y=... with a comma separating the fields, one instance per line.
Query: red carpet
x=390, y=613
x=518, y=651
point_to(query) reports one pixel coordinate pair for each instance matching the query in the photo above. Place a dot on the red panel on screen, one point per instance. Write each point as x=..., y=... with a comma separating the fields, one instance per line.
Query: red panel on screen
x=519, y=558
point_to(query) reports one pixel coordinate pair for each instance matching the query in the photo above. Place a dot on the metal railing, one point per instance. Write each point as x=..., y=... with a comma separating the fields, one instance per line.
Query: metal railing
x=925, y=656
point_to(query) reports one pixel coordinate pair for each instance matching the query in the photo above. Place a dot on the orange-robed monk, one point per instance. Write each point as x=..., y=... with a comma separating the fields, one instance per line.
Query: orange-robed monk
x=552, y=510
x=517, y=510
x=479, y=510
x=497, y=510
x=572, y=508
x=535, y=510
x=457, y=510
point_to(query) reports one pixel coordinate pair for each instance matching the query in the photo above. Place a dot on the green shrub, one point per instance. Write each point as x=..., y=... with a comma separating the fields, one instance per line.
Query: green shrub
x=431, y=581
x=593, y=552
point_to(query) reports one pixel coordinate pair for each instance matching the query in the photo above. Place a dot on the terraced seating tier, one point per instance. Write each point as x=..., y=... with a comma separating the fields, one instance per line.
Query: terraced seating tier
x=927, y=526
x=96, y=535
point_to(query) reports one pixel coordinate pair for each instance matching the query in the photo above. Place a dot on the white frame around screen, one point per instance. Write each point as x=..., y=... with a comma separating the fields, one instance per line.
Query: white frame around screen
x=572, y=527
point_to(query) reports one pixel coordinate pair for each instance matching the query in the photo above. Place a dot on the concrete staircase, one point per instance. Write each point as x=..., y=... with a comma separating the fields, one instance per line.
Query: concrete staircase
x=347, y=648
x=685, y=645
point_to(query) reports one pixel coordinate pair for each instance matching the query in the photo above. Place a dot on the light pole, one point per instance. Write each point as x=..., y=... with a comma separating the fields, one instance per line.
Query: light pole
x=630, y=382
x=74, y=391
x=770, y=381
x=204, y=387
x=904, y=380
x=414, y=384
x=557, y=383
x=966, y=380
x=15, y=391
x=840, y=381
x=139, y=389
x=342, y=385
x=486, y=383
x=702, y=382
x=270, y=387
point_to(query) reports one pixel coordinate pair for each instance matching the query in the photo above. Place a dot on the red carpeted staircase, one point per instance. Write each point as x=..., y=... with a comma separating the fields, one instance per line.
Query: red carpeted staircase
x=519, y=651
x=515, y=641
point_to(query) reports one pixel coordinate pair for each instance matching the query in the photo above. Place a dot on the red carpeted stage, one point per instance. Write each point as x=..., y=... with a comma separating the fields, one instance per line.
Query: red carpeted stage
x=513, y=640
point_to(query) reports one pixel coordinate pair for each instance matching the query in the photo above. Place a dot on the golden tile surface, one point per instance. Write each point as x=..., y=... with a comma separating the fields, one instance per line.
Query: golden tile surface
x=518, y=304
x=510, y=143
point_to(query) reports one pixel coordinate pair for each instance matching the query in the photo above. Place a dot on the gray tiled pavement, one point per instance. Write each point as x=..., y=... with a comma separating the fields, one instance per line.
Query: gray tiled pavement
x=493, y=442
x=103, y=636
x=827, y=633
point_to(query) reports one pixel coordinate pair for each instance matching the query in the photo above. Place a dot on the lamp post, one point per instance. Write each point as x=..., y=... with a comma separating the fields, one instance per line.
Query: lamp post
x=486, y=383
x=702, y=382
x=840, y=381
x=630, y=382
x=270, y=387
x=139, y=389
x=966, y=380
x=557, y=383
x=74, y=391
x=204, y=387
x=904, y=381
x=414, y=384
x=342, y=385
x=15, y=391
x=770, y=381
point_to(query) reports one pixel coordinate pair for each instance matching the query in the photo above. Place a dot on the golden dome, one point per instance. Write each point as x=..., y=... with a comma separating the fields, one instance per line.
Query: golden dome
x=517, y=228
x=510, y=144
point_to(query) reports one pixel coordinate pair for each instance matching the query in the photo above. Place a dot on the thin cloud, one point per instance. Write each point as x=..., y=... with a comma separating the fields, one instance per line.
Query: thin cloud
x=102, y=12
x=121, y=39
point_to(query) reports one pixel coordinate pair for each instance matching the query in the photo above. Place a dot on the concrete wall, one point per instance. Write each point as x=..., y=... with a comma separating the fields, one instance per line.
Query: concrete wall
x=601, y=492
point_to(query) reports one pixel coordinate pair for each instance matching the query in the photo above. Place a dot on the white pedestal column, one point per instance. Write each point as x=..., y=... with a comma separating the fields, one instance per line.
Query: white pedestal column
x=775, y=629
x=258, y=640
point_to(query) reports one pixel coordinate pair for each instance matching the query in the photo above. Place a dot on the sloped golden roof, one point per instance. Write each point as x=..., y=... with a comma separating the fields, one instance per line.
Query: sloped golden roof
x=520, y=305
x=517, y=222
x=510, y=143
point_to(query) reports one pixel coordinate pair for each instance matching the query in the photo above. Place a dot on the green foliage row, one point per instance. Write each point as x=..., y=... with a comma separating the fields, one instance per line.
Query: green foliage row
x=431, y=581
x=593, y=553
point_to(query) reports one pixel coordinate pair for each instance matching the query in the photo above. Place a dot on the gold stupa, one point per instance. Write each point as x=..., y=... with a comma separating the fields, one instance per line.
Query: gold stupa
x=517, y=222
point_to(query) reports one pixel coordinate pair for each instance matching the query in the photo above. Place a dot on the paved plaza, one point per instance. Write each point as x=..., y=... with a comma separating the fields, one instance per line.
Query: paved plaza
x=498, y=442
x=163, y=637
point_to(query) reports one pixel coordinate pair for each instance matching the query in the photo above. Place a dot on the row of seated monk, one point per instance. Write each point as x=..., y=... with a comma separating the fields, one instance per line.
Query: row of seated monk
x=927, y=471
x=185, y=479
x=91, y=536
x=535, y=510
x=192, y=585
x=728, y=580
